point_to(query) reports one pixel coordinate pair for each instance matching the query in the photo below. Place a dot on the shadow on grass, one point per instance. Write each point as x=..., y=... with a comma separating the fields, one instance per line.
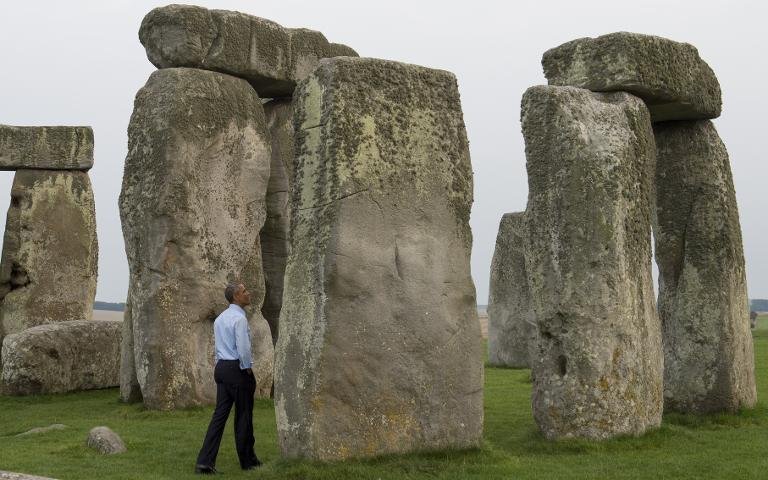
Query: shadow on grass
x=757, y=416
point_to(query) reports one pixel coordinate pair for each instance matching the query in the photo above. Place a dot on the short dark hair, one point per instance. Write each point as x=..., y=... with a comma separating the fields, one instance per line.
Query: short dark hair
x=229, y=292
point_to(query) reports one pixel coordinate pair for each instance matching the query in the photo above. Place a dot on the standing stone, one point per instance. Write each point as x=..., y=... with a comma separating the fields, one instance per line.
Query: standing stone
x=674, y=82
x=46, y=148
x=270, y=57
x=130, y=390
x=62, y=357
x=598, y=368
x=274, y=235
x=379, y=349
x=511, y=321
x=192, y=205
x=708, y=355
x=50, y=251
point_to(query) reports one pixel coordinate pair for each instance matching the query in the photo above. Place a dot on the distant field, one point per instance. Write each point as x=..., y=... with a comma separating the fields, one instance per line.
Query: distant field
x=107, y=315
x=483, y=316
x=115, y=306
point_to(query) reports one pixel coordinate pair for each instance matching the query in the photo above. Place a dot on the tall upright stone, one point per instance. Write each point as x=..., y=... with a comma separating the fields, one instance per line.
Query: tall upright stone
x=50, y=250
x=671, y=77
x=598, y=368
x=130, y=390
x=511, y=320
x=708, y=355
x=270, y=57
x=274, y=235
x=192, y=205
x=379, y=348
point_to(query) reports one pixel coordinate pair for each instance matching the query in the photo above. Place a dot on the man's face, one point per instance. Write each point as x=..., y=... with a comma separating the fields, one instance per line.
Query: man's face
x=242, y=296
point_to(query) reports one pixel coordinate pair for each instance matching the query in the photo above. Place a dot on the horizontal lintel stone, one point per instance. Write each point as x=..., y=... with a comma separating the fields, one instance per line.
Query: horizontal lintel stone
x=47, y=148
x=270, y=57
x=670, y=77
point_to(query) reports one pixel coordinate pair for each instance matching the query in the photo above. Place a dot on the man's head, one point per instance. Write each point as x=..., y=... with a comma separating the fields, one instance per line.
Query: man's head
x=237, y=293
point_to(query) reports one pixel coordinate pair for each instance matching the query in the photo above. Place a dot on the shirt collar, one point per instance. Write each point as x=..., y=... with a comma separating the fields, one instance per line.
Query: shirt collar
x=237, y=308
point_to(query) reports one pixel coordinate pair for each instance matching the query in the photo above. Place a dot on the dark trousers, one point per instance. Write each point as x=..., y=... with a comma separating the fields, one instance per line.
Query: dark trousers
x=232, y=386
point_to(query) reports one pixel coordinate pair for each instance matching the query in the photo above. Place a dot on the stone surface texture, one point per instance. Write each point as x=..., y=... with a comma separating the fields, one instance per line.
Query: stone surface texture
x=130, y=390
x=341, y=50
x=40, y=430
x=191, y=206
x=105, y=441
x=20, y=476
x=274, y=234
x=709, y=361
x=379, y=349
x=674, y=82
x=47, y=148
x=62, y=357
x=50, y=251
x=511, y=321
x=270, y=57
x=598, y=367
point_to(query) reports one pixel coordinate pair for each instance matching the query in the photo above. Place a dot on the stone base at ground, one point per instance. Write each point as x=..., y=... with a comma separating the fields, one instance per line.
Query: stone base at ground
x=379, y=349
x=709, y=361
x=62, y=357
x=597, y=372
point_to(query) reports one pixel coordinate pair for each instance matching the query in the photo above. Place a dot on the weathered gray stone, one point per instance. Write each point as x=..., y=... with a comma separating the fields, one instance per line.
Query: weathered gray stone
x=671, y=78
x=341, y=50
x=192, y=205
x=39, y=430
x=708, y=355
x=130, y=390
x=598, y=366
x=105, y=441
x=511, y=321
x=46, y=148
x=379, y=348
x=274, y=234
x=20, y=476
x=62, y=357
x=50, y=251
x=270, y=57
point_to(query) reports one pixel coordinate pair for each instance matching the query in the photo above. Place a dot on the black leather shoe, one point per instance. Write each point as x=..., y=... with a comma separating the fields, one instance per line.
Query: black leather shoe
x=204, y=470
x=256, y=464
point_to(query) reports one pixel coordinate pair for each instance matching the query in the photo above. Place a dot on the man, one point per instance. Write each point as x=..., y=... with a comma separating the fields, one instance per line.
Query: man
x=235, y=383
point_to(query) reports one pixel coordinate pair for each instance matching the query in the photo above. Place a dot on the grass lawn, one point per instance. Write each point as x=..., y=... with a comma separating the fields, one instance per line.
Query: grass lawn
x=164, y=445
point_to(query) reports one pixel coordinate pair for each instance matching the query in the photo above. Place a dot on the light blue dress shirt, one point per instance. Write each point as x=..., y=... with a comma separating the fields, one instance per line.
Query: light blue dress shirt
x=233, y=337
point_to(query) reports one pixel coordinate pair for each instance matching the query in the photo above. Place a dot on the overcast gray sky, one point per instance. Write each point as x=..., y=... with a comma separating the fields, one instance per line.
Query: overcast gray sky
x=79, y=62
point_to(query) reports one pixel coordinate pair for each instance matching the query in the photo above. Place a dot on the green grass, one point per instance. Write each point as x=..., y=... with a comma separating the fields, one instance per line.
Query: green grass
x=164, y=445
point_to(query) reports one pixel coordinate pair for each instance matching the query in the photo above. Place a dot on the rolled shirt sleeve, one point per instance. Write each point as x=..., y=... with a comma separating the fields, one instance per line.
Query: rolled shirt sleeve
x=243, y=343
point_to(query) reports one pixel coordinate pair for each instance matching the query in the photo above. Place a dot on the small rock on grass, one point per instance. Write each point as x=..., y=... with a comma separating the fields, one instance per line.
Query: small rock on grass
x=49, y=428
x=20, y=476
x=105, y=441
